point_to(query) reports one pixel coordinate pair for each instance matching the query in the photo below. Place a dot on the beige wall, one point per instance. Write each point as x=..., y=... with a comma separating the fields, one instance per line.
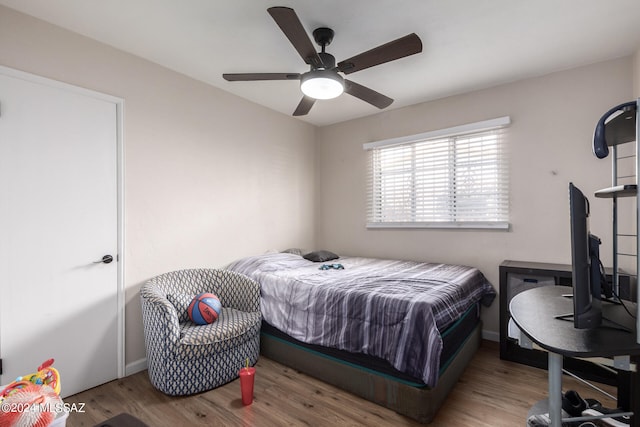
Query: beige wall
x=553, y=118
x=636, y=74
x=209, y=177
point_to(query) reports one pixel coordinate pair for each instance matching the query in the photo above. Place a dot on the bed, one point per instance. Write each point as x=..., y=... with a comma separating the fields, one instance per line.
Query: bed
x=398, y=333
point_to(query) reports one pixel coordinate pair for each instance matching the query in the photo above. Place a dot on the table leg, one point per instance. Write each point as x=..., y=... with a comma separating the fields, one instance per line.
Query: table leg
x=628, y=391
x=555, y=389
x=635, y=392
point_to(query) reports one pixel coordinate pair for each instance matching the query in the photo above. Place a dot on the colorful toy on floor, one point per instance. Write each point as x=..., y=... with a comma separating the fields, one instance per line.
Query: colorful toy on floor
x=30, y=405
x=32, y=400
x=46, y=375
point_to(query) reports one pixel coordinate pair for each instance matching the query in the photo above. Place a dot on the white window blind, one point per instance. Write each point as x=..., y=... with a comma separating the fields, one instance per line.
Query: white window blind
x=456, y=177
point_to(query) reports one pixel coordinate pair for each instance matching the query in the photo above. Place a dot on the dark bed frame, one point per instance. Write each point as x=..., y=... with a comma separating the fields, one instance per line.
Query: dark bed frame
x=417, y=402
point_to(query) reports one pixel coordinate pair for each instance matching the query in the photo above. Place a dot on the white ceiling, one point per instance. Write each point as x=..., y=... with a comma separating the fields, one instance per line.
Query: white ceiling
x=467, y=44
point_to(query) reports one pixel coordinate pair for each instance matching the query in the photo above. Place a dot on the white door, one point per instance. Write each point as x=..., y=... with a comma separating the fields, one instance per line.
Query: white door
x=58, y=216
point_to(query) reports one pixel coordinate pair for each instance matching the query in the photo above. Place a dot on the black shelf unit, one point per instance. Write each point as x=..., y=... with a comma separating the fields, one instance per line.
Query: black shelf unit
x=621, y=128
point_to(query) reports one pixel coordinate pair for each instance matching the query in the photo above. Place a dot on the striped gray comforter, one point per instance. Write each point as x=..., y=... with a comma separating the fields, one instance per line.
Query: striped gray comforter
x=390, y=309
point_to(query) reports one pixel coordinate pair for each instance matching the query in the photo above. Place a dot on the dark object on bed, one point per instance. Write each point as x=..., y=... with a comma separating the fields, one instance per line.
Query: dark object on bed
x=320, y=256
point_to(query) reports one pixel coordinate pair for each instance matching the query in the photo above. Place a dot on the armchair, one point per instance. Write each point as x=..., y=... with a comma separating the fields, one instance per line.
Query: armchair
x=185, y=358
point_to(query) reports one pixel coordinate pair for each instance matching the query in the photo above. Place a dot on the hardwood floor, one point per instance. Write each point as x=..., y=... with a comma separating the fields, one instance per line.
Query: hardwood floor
x=491, y=393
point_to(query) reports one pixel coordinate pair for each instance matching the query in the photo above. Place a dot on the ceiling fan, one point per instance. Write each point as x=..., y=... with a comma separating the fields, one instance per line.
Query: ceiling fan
x=323, y=80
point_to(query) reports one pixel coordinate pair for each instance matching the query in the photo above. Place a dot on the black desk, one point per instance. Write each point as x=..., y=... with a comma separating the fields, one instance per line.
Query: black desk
x=534, y=312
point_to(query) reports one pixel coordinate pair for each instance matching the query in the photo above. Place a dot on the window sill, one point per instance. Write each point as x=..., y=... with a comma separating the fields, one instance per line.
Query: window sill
x=441, y=225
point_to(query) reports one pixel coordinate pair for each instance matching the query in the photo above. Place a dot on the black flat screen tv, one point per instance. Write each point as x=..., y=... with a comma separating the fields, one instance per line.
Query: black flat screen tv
x=585, y=262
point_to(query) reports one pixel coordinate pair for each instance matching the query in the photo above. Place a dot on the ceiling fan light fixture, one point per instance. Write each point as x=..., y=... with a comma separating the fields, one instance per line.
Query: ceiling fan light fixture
x=322, y=84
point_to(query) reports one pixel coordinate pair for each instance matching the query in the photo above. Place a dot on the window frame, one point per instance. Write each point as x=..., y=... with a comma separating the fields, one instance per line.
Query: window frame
x=449, y=136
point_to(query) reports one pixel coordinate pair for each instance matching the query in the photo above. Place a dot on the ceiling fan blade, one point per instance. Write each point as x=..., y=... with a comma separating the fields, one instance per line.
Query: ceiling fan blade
x=396, y=49
x=291, y=26
x=367, y=95
x=246, y=77
x=304, y=106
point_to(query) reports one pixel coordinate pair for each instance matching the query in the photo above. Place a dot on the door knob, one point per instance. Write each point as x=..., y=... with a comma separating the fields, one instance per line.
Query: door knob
x=105, y=260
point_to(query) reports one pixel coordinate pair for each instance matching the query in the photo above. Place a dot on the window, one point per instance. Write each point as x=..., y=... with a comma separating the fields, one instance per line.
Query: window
x=452, y=178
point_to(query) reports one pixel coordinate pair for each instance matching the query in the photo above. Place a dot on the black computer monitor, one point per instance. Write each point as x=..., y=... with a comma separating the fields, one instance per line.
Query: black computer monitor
x=585, y=262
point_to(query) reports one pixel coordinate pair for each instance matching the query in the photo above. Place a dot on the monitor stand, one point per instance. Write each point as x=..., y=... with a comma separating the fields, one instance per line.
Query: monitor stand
x=606, y=323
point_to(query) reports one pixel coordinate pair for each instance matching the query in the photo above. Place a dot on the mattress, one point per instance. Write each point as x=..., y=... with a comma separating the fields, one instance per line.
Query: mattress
x=453, y=339
x=388, y=309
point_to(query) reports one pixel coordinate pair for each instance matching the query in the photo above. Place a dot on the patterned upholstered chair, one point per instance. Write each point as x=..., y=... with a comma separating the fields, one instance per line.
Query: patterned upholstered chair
x=185, y=358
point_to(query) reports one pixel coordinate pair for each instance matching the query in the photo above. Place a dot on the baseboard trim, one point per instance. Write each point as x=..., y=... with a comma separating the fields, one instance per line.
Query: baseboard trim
x=490, y=335
x=135, y=367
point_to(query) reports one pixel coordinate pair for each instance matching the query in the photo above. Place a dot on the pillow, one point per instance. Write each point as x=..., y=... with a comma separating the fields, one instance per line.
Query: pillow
x=294, y=251
x=181, y=303
x=320, y=256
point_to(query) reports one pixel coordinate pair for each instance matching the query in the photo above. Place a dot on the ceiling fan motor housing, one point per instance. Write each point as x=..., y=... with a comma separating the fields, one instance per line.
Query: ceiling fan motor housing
x=328, y=60
x=323, y=36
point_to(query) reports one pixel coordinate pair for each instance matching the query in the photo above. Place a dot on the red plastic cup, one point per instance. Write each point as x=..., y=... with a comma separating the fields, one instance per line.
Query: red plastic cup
x=247, y=376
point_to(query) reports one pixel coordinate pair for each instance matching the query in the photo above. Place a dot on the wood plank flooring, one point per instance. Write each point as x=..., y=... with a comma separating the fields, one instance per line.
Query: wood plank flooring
x=491, y=393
